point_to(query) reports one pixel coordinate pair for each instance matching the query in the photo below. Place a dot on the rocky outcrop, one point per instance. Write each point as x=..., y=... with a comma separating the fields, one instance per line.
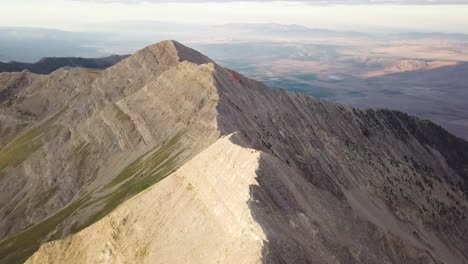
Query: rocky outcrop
x=166, y=157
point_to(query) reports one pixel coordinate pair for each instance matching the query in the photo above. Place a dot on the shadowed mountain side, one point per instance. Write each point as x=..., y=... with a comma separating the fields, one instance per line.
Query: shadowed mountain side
x=317, y=227
x=48, y=65
x=369, y=180
x=386, y=211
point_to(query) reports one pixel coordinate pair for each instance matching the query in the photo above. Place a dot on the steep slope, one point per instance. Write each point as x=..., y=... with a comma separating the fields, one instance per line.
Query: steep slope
x=194, y=202
x=48, y=65
x=238, y=173
x=103, y=142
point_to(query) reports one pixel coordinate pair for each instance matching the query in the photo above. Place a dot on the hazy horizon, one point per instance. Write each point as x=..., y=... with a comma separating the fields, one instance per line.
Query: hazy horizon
x=75, y=15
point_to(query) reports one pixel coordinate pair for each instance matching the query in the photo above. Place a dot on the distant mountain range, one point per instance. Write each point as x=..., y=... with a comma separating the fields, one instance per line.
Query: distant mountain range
x=48, y=65
x=31, y=44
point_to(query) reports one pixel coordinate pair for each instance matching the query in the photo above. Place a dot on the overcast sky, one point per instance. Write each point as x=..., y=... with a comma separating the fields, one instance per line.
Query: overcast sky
x=409, y=15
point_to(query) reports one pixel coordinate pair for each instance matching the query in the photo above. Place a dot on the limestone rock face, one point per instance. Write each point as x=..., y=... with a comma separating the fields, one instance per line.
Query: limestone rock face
x=167, y=157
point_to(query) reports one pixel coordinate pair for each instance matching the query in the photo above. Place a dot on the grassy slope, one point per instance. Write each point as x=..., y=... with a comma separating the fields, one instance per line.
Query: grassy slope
x=26, y=144
x=136, y=177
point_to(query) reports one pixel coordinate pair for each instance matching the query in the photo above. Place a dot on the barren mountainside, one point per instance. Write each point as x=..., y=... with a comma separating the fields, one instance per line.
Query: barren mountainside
x=167, y=157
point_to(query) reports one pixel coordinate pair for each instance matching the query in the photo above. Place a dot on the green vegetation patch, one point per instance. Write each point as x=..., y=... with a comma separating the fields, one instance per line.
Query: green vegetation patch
x=154, y=158
x=82, y=153
x=24, y=145
x=306, y=76
x=300, y=87
x=19, y=247
x=355, y=94
x=145, y=171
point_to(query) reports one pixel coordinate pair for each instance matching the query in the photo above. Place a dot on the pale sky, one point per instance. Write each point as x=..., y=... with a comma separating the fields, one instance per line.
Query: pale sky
x=392, y=14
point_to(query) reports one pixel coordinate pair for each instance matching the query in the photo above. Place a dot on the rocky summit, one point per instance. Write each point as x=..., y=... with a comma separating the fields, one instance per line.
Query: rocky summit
x=167, y=157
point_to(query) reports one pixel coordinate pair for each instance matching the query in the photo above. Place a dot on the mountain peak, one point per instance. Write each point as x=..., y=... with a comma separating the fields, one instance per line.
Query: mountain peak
x=141, y=68
x=173, y=51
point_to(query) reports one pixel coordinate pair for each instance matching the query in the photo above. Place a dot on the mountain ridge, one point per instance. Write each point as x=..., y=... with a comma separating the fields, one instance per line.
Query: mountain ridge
x=49, y=64
x=158, y=124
